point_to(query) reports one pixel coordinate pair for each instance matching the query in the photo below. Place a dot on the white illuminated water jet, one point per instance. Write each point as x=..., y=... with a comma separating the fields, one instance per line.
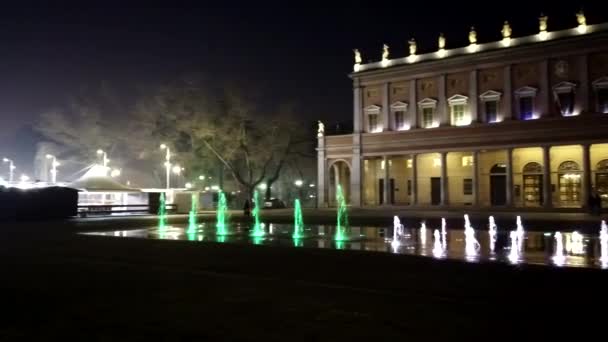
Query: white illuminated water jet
x=520, y=234
x=444, y=233
x=423, y=233
x=471, y=243
x=438, y=247
x=514, y=253
x=604, y=244
x=397, y=232
x=574, y=244
x=492, y=231
x=558, y=257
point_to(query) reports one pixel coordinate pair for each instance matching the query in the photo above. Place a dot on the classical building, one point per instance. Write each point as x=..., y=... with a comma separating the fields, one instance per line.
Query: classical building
x=521, y=122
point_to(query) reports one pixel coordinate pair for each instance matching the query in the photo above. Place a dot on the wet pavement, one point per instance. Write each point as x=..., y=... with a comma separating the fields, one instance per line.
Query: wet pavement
x=552, y=249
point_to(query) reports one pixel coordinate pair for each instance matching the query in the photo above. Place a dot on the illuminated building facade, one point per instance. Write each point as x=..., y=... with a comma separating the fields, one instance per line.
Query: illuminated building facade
x=517, y=123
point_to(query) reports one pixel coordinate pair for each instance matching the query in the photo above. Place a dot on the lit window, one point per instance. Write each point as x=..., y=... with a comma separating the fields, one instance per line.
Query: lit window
x=491, y=108
x=601, y=93
x=399, y=109
x=427, y=109
x=467, y=186
x=409, y=163
x=564, y=97
x=525, y=98
x=373, y=122
x=427, y=117
x=490, y=101
x=458, y=110
x=467, y=161
x=526, y=108
x=436, y=162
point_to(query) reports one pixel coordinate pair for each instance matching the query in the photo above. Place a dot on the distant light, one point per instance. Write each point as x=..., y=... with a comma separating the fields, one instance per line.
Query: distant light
x=24, y=178
x=100, y=151
x=206, y=188
x=263, y=186
x=473, y=48
x=312, y=185
x=215, y=187
x=177, y=169
x=582, y=28
x=441, y=53
x=298, y=182
x=506, y=41
x=311, y=196
x=49, y=156
x=6, y=160
x=188, y=185
x=115, y=173
x=163, y=146
x=201, y=177
x=543, y=35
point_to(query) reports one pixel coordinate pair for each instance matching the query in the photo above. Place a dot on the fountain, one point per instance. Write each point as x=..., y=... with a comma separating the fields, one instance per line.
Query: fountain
x=604, y=244
x=342, y=217
x=520, y=228
x=559, y=257
x=423, y=233
x=397, y=232
x=162, y=212
x=438, y=245
x=192, y=225
x=222, y=208
x=492, y=231
x=471, y=243
x=574, y=244
x=514, y=252
x=298, y=220
x=258, y=228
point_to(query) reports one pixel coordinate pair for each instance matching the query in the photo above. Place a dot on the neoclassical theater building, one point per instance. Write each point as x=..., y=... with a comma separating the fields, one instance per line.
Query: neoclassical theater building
x=517, y=123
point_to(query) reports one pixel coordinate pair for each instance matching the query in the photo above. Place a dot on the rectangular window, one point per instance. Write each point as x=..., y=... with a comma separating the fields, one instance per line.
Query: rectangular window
x=427, y=117
x=373, y=122
x=458, y=115
x=467, y=186
x=565, y=102
x=399, y=119
x=526, y=108
x=491, y=111
x=467, y=160
x=602, y=100
x=409, y=187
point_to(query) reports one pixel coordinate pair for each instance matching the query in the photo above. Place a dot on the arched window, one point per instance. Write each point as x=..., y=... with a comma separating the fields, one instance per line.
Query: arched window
x=499, y=168
x=533, y=167
x=569, y=181
x=602, y=166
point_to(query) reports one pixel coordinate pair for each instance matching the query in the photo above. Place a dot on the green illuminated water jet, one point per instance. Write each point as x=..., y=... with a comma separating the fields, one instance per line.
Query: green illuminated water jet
x=162, y=213
x=342, y=217
x=222, y=208
x=258, y=230
x=298, y=220
x=192, y=225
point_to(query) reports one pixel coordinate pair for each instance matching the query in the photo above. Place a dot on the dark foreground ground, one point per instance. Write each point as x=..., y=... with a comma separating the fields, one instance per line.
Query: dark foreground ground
x=57, y=285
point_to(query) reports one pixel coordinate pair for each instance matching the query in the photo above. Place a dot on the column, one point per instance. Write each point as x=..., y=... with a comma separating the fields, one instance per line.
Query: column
x=473, y=97
x=547, y=201
x=413, y=105
x=509, y=177
x=442, y=113
x=444, y=179
x=386, y=198
x=507, y=92
x=545, y=92
x=583, y=91
x=355, y=173
x=475, y=178
x=357, y=109
x=386, y=123
x=321, y=172
x=586, y=190
x=414, y=200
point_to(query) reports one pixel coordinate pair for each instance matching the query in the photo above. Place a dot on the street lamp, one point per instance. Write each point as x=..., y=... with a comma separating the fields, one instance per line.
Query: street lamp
x=115, y=173
x=298, y=183
x=104, y=157
x=54, y=164
x=24, y=178
x=167, y=163
x=11, y=169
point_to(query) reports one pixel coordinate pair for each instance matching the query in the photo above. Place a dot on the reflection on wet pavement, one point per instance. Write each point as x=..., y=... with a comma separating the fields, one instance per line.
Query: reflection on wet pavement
x=471, y=245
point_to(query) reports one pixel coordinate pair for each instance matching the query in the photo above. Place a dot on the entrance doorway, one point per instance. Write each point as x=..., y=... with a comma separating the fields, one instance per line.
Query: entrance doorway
x=435, y=190
x=381, y=191
x=569, y=182
x=601, y=181
x=498, y=185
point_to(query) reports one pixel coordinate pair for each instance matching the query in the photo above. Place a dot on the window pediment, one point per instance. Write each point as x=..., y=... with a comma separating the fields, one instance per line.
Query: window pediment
x=427, y=103
x=399, y=106
x=526, y=91
x=372, y=109
x=564, y=87
x=458, y=100
x=600, y=83
x=490, y=95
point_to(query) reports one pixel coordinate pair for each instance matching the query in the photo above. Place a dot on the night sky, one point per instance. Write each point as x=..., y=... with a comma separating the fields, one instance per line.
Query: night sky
x=299, y=53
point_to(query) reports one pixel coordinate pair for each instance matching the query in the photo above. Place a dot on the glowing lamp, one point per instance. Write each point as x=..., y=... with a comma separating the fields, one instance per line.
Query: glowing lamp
x=188, y=185
x=263, y=186
x=298, y=183
x=441, y=53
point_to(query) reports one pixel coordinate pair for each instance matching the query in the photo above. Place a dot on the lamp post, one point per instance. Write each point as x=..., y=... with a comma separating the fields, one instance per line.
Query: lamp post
x=167, y=163
x=178, y=171
x=54, y=164
x=298, y=183
x=11, y=169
